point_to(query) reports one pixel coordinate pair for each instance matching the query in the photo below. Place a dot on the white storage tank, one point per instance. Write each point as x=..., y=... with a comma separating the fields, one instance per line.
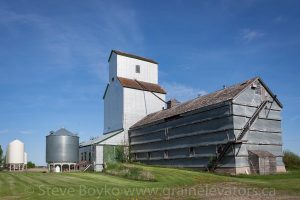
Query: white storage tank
x=16, y=157
x=15, y=152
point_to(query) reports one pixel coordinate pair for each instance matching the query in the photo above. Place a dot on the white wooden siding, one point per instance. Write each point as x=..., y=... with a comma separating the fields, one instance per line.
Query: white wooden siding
x=99, y=159
x=124, y=106
x=119, y=139
x=125, y=67
x=113, y=107
x=112, y=67
x=138, y=104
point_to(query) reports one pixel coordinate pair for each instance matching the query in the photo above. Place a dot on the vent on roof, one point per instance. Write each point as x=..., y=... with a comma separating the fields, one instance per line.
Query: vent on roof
x=171, y=103
x=254, y=85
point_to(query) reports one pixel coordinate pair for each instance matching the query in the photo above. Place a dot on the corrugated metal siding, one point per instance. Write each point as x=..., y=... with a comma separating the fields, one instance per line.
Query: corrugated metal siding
x=211, y=126
x=265, y=134
x=201, y=131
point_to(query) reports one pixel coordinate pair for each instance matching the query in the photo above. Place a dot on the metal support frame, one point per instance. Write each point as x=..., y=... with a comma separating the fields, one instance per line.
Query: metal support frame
x=17, y=167
x=51, y=165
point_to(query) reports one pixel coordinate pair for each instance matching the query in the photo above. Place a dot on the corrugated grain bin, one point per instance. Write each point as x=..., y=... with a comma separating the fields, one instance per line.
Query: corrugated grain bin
x=62, y=146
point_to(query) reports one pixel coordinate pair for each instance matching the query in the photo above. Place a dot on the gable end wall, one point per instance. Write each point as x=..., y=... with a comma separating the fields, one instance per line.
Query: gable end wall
x=265, y=133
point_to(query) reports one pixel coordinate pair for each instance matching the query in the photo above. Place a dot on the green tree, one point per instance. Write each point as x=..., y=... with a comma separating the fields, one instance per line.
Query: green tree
x=30, y=165
x=1, y=156
x=291, y=160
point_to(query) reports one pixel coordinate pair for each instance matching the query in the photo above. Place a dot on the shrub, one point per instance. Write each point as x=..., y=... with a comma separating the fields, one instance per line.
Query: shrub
x=211, y=162
x=128, y=171
x=30, y=165
x=291, y=160
x=115, y=153
x=120, y=154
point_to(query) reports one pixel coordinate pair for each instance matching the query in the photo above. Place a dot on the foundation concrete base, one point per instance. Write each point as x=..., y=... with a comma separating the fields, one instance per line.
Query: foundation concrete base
x=280, y=169
x=242, y=170
x=245, y=170
x=226, y=171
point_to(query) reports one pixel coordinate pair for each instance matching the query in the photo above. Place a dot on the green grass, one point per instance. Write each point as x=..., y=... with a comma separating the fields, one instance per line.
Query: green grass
x=289, y=182
x=103, y=186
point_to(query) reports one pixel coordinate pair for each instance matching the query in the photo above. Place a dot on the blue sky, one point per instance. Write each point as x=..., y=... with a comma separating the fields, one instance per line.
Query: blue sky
x=53, y=57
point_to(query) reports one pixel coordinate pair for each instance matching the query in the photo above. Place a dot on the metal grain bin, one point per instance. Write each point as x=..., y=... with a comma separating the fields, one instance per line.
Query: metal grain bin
x=62, y=146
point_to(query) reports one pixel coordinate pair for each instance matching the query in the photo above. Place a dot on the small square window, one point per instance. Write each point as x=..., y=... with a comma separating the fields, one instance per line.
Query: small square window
x=192, y=151
x=166, y=154
x=149, y=155
x=137, y=69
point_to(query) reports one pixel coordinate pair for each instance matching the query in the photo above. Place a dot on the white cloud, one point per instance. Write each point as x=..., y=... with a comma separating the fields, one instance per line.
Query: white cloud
x=77, y=45
x=26, y=132
x=182, y=92
x=250, y=35
x=84, y=45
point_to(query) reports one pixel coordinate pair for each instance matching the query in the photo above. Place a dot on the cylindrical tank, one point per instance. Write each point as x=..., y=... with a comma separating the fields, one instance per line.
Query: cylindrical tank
x=15, y=152
x=25, y=158
x=62, y=146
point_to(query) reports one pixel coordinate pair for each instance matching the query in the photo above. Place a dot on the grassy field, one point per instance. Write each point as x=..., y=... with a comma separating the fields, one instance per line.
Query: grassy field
x=167, y=184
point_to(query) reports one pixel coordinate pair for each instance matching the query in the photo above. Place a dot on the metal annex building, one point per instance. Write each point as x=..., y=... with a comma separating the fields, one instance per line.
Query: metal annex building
x=234, y=130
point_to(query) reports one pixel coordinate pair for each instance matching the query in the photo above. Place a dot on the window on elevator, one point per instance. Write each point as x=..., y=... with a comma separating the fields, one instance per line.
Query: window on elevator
x=137, y=69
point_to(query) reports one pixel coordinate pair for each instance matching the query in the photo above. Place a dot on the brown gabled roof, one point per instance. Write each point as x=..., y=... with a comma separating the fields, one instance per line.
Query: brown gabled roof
x=140, y=85
x=207, y=100
x=131, y=56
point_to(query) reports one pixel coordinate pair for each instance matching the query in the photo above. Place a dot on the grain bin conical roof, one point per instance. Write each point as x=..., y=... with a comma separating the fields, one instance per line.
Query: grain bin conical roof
x=62, y=131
